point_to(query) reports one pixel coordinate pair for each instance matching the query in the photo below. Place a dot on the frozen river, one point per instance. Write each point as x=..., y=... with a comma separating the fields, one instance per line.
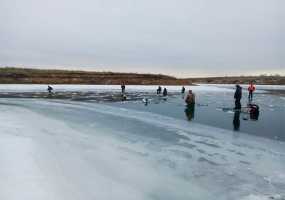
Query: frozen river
x=101, y=148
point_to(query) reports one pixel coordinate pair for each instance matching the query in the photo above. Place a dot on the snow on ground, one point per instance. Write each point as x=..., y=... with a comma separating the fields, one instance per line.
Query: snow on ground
x=55, y=150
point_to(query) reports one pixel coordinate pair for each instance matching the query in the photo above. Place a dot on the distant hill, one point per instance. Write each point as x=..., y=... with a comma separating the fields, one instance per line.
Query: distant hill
x=11, y=75
x=262, y=80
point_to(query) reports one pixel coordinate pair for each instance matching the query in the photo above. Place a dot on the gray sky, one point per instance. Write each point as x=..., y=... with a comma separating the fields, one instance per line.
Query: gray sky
x=182, y=38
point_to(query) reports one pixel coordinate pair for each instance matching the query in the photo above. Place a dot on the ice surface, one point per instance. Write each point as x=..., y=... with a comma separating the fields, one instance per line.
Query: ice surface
x=259, y=88
x=5, y=88
x=52, y=149
x=90, y=88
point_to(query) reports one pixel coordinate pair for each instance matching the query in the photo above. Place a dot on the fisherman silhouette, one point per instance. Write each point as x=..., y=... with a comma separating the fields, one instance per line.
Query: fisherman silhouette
x=183, y=90
x=251, y=89
x=123, y=88
x=237, y=97
x=158, y=91
x=164, y=92
x=49, y=89
x=190, y=99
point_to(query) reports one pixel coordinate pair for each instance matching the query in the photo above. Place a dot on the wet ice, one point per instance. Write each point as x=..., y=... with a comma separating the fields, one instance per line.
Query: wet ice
x=58, y=149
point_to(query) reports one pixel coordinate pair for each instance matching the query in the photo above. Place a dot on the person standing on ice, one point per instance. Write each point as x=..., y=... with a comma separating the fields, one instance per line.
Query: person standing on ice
x=190, y=107
x=164, y=92
x=251, y=89
x=190, y=99
x=183, y=90
x=49, y=89
x=158, y=91
x=123, y=87
x=238, y=96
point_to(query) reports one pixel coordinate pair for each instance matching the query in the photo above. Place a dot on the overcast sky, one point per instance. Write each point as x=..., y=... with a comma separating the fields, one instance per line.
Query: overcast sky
x=182, y=37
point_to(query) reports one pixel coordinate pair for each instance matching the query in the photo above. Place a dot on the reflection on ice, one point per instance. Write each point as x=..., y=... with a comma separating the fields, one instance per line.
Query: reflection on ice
x=76, y=150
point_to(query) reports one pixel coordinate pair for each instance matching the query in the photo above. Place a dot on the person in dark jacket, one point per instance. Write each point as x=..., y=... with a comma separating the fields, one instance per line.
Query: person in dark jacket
x=49, y=89
x=238, y=96
x=190, y=99
x=158, y=91
x=183, y=90
x=164, y=92
x=123, y=87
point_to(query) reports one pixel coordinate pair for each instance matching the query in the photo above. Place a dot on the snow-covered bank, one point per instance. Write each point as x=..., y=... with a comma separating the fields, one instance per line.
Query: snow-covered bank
x=74, y=150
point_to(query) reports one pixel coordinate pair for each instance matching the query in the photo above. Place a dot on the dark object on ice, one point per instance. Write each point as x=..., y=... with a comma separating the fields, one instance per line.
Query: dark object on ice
x=183, y=90
x=190, y=111
x=49, y=89
x=253, y=111
x=164, y=92
x=158, y=91
x=124, y=97
x=238, y=96
x=236, y=121
x=123, y=87
x=190, y=99
x=251, y=89
x=146, y=101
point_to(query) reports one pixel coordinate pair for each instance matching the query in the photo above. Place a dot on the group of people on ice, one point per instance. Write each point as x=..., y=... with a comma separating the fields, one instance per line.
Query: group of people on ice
x=190, y=99
x=238, y=95
x=159, y=89
x=251, y=108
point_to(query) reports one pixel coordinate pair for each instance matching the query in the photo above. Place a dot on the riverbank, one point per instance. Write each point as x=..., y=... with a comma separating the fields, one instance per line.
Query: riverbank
x=258, y=80
x=10, y=75
x=41, y=76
